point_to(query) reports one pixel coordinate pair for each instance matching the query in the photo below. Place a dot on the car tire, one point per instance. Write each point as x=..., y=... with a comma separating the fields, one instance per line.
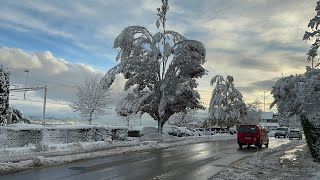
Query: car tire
x=267, y=145
x=260, y=146
x=240, y=146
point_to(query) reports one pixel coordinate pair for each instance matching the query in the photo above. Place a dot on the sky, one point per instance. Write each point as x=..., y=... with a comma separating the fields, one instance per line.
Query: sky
x=64, y=43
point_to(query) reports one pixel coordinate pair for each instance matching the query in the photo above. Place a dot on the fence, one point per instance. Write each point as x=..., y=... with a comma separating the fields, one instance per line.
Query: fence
x=22, y=136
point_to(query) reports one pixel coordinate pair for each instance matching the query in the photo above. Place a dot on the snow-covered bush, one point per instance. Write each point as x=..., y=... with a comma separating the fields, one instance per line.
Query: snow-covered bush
x=38, y=161
x=161, y=70
x=226, y=104
x=18, y=116
x=41, y=147
x=4, y=94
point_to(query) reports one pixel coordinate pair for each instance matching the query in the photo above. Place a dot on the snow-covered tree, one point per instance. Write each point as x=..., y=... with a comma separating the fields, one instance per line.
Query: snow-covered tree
x=315, y=32
x=184, y=118
x=4, y=93
x=226, y=105
x=161, y=69
x=253, y=112
x=291, y=121
x=92, y=101
x=300, y=95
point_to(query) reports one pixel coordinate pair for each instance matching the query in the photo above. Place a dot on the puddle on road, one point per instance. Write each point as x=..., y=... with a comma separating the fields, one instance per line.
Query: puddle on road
x=290, y=157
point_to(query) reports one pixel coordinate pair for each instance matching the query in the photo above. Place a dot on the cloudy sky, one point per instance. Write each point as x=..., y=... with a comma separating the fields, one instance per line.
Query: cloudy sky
x=64, y=43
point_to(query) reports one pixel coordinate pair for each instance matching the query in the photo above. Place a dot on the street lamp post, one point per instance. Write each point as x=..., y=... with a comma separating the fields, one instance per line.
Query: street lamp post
x=27, y=73
x=264, y=108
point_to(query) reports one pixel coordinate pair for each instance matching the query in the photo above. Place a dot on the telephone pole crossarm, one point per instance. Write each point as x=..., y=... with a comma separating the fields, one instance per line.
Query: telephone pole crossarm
x=26, y=89
x=45, y=88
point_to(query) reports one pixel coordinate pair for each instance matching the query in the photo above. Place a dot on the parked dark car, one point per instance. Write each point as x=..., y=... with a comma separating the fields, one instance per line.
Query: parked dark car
x=295, y=133
x=281, y=132
x=249, y=134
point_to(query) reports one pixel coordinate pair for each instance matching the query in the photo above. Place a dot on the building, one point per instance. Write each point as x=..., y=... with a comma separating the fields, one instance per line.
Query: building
x=269, y=120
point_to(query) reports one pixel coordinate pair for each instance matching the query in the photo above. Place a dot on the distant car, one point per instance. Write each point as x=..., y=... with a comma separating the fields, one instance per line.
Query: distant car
x=183, y=131
x=249, y=134
x=200, y=131
x=171, y=130
x=138, y=131
x=233, y=130
x=281, y=132
x=177, y=131
x=194, y=132
x=295, y=133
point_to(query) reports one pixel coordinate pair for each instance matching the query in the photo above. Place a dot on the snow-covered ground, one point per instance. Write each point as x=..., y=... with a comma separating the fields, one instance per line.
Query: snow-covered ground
x=288, y=161
x=17, y=159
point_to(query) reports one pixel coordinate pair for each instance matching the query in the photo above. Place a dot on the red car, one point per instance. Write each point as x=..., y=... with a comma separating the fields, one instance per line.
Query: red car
x=249, y=134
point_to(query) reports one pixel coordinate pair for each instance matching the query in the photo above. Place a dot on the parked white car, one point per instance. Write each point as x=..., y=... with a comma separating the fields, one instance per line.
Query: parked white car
x=177, y=131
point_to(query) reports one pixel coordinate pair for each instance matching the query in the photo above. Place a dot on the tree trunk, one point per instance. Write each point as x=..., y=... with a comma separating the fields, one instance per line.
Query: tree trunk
x=159, y=127
x=128, y=119
x=9, y=117
x=90, y=117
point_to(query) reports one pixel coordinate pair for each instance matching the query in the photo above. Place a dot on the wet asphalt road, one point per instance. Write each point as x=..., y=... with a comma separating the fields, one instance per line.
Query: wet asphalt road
x=196, y=161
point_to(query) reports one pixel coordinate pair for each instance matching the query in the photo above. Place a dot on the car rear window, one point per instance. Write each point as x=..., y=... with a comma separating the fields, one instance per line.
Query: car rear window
x=294, y=131
x=247, y=129
x=282, y=129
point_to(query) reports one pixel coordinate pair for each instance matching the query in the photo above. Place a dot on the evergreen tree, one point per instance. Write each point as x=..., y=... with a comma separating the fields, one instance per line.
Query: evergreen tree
x=4, y=93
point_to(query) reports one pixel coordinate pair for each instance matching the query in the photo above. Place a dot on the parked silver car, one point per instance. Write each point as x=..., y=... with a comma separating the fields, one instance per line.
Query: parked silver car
x=281, y=131
x=295, y=133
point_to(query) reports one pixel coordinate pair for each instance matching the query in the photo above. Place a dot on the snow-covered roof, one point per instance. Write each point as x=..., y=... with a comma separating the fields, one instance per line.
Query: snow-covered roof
x=267, y=115
x=269, y=124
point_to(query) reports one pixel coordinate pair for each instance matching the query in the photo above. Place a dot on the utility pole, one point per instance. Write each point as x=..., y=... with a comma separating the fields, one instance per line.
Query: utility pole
x=44, y=104
x=264, y=108
x=264, y=101
x=27, y=73
x=45, y=88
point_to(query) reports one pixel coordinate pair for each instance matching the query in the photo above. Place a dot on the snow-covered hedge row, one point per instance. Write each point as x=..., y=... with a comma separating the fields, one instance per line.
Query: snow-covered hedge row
x=22, y=135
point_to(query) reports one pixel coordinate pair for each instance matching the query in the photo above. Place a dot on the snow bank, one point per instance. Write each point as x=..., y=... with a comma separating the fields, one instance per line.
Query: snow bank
x=288, y=161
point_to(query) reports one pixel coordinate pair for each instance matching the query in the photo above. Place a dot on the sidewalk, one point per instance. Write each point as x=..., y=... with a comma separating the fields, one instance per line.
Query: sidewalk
x=289, y=161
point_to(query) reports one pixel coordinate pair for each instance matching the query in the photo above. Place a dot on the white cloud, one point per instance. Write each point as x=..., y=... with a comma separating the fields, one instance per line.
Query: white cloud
x=59, y=75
